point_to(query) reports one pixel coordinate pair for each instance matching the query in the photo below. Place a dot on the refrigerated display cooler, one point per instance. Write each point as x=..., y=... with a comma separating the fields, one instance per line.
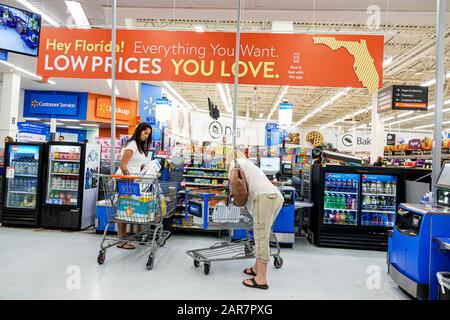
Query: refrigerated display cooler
x=354, y=206
x=71, y=189
x=22, y=179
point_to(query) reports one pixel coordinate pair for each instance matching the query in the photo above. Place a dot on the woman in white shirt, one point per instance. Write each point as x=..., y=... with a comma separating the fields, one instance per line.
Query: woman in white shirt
x=134, y=154
x=264, y=203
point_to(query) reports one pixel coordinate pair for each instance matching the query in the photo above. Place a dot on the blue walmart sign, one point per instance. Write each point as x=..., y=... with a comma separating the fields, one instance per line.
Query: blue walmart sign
x=149, y=94
x=53, y=104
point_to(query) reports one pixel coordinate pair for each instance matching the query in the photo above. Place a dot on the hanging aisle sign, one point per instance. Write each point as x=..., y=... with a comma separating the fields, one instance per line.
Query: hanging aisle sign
x=333, y=60
x=285, y=114
x=147, y=102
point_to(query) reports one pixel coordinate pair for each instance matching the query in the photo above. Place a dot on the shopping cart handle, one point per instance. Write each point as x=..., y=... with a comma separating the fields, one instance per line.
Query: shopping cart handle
x=118, y=176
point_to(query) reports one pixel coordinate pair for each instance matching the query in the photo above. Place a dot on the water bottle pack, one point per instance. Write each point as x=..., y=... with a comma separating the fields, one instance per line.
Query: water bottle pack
x=137, y=208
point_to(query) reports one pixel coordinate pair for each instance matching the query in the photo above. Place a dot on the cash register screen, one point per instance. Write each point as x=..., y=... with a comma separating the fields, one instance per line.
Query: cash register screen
x=444, y=177
x=270, y=165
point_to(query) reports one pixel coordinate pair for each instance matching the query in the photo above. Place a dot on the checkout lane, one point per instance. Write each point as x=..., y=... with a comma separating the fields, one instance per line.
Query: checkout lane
x=419, y=245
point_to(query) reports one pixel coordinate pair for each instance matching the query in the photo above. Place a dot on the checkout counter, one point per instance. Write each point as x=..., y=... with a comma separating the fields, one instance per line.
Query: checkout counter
x=419, y=244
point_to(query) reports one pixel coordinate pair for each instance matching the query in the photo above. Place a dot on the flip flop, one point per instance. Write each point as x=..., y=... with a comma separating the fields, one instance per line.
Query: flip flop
x=255, y=285
x=122, y=246
x=250, y=272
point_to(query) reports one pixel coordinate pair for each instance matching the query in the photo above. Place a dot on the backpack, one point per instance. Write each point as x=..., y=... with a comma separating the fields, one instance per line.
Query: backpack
x=239, y=187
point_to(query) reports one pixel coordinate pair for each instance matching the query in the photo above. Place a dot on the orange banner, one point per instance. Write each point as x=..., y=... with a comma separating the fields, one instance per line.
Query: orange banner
x=332, y=60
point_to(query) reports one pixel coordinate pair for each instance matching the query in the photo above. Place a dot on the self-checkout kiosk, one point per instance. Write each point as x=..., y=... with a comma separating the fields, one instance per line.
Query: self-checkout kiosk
x=419, y=244
x=283, y=227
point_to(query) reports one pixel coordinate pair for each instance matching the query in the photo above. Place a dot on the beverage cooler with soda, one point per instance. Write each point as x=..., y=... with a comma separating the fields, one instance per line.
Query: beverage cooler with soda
x=71, y=185
x=354, y=206
x=24, y=165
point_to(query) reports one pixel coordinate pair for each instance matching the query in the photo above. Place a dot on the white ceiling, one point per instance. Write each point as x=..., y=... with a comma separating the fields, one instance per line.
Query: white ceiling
x=406, y=24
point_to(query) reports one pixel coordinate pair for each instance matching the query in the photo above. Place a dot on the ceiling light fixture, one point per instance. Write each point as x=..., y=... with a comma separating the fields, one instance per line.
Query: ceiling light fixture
x=78, y=14
x=404, y=114
x=280, y=97
x=199, y=28
x=89, y=125
x=446, y=102
x=28, y=73
x=69, y=120
x=74, y=127
x=430, y=125
x=110, y=86
x=177, y=95
x=324, y=105
x=387, y=62
x=432, y=82
x=35, y=9
x=223, y=96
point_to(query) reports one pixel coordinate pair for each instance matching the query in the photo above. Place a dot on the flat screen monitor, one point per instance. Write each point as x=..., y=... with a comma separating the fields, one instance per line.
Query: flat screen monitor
x=444, y=177
x=20, y=30
x=270, y=165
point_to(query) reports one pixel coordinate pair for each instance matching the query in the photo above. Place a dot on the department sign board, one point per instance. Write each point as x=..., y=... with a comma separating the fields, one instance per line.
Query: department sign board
x=403, y=98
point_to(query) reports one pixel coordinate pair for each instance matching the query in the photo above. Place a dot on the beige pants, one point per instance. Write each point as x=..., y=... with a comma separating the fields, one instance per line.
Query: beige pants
x=265, y=210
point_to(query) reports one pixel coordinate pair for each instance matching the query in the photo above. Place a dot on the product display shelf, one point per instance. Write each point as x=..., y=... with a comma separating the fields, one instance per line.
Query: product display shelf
x=204, y=169
x=64, y=160
x=341, y=192
x=189, y=183
x=419, y=157
x=204, y=177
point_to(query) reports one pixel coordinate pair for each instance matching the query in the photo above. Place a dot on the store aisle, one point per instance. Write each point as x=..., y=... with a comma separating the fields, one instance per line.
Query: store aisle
x=35, y=265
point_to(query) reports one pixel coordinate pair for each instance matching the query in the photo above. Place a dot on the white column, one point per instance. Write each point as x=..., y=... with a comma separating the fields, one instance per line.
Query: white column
x=9, y=105
x=377, y=132
x=439, y=96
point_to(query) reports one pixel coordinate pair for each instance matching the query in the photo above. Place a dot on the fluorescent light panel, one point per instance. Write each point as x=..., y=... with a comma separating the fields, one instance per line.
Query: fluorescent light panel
x=223, y=97
x=430, y=125
x=110, y=86
x=89, y=125
x=176, y=94
x=35, y=9
x=69, y=120
x=433, y=81
x=278, y=101
x=387, y=62
x=21, y=70
x=324, y=105
x=78, y=14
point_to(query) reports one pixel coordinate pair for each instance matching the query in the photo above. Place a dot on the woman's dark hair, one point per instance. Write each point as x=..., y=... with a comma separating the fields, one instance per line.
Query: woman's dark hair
x=143, y=146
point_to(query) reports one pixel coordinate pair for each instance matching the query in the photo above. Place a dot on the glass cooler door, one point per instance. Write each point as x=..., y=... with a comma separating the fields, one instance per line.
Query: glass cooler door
x=341, y=198
x=379, y=200
x=21, y=188
x=63, y=175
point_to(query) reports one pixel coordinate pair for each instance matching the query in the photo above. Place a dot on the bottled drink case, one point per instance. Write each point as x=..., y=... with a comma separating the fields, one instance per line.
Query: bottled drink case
x=22, y=184
x=71, y=185
x=354, y=206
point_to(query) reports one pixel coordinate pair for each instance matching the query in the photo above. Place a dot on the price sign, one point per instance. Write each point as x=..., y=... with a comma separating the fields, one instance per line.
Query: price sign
x=10, y=172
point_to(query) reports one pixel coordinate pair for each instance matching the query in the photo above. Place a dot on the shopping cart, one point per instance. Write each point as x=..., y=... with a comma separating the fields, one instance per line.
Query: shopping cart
x=228, y=217
x=142, y=201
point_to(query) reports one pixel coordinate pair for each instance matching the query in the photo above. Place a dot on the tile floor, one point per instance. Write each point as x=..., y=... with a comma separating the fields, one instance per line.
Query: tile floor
x=41, y=264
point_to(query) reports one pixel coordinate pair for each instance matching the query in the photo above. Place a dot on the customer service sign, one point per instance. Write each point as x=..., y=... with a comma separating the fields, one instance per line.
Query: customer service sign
x=333, y=60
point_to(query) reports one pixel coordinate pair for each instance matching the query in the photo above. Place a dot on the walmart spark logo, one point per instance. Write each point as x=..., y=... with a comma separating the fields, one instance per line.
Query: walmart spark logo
x=104, y=108
x=34, y=103
x=149, y=105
